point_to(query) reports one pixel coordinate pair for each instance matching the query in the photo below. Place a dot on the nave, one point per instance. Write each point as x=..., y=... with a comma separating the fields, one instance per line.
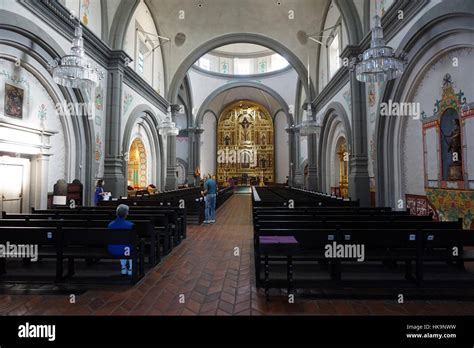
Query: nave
x=213, y=281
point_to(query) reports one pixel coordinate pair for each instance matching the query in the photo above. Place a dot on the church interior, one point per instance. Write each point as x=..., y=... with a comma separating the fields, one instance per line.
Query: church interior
x=251, y=157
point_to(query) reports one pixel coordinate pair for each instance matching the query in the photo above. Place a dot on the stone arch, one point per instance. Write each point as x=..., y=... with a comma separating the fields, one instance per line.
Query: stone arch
x=435, y=33
x=143, y=113
x=181, y=163
x=187, y=100
x=120, y=23
x=335, y=114
x=78, y=131
x=104, y=21
x=205, y=105
x=119, y=27
x=350, y=16
x=227, y=39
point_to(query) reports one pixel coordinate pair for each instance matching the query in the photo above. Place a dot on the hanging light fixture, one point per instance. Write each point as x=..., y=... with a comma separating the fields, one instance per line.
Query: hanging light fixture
x=309, y=126
x=379, y=63
x=75, y=70
x=168, y=127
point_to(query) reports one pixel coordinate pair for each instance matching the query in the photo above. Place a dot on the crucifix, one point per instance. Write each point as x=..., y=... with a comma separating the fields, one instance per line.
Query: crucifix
x=245, y=125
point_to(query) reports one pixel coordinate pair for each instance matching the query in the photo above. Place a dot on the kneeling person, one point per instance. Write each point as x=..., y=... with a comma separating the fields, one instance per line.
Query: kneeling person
x=120, y=223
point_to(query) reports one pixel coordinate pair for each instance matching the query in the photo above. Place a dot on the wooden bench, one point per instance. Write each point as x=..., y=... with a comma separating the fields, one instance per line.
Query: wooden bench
x=145, y=229
x=47, y=239
x=93, y=243
x=285, y=246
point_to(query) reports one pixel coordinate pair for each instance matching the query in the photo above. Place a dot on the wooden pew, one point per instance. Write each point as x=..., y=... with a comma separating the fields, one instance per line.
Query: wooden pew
x=47, y=239
x=92, y=243
x=160, y=221
x=145, y=229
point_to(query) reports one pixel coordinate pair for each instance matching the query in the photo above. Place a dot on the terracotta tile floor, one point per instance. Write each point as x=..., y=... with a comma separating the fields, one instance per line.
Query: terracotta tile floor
x=204, y=272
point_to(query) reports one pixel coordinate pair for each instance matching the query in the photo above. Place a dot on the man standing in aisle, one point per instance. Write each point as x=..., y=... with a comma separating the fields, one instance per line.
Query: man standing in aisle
x=210, y=193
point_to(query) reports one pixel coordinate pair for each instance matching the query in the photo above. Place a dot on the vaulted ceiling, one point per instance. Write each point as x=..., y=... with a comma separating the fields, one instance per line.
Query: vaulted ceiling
x=202, y=21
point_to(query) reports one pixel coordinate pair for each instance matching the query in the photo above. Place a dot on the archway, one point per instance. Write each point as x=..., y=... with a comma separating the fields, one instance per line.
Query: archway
x=79, y=135
x=240, y=84
x=340, y=169
x=245, y=144
x=424, y=46
x=143, y=124
x=228, y=39
x=334, y=125
x=137, y=165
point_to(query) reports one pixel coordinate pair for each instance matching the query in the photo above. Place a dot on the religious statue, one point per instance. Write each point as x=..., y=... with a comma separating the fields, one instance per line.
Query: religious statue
x=197, y=172
x=246, y=127
x=453, y=141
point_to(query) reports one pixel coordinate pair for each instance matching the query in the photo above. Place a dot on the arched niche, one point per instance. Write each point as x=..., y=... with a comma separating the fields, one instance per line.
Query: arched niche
x=137, y=175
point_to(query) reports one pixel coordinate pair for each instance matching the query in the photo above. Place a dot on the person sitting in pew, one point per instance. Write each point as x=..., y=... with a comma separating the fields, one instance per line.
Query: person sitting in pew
x=120, y=223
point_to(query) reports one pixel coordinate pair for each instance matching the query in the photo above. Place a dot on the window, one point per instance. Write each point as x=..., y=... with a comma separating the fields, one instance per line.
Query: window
x=242, y=66
x=141, y=62
x=334, y=52
x=143, y=57
x=262, y=65
x=205, y=64
x=224, y=66
x=278, y=62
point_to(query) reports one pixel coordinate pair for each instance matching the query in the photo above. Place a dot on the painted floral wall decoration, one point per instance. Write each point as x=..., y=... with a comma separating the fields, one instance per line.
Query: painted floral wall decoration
x=127, y=101
x=42, y=112
x=348, y=98
x=99, y=98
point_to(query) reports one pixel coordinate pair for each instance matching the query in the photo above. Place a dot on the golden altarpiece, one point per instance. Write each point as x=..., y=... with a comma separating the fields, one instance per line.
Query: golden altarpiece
x=245, y=144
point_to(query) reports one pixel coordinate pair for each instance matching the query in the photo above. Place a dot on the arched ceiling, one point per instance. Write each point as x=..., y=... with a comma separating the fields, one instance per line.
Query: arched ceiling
x=244, y=93
x=242, y=49
x=205, y=20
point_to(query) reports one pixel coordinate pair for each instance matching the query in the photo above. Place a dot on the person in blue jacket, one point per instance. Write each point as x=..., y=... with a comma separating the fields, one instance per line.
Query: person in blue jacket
x=99, y=192
x=210, y=193
x=120, y=223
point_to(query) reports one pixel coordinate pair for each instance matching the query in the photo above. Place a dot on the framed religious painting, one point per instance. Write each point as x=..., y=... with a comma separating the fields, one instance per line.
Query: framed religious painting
x=14, y=97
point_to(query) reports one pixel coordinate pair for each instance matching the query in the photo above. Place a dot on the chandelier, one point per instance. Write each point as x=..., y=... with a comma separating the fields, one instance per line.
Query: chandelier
x=379, y=63
x=309, y=126
x=168, y=127
x=75, y=70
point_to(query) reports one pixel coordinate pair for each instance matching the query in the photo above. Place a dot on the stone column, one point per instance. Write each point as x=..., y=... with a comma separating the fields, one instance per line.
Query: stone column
x=191, y=155
x=292, y=136
x=171, y=179
x=40, y=181
x=359, y=183
x=114, y=173
x=297, y=175
x=312, y=155
x=197, y=151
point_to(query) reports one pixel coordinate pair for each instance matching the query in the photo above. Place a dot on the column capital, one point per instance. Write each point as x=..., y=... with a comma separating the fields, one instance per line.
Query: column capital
x=351, y=51
x=119, y=59
x=292, y=130
x=175, y=108
x=193, y=130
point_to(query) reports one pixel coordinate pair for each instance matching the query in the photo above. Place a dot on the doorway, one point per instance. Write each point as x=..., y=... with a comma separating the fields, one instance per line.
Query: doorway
x=14, y=174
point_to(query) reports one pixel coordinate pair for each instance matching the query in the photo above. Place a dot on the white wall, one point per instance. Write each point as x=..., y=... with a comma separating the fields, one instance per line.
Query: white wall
x=427, y=92
x=332, y=18
x=208, y=145
x=37, y=105
x=282, y=148
x=153, y=72
x=91, y=13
